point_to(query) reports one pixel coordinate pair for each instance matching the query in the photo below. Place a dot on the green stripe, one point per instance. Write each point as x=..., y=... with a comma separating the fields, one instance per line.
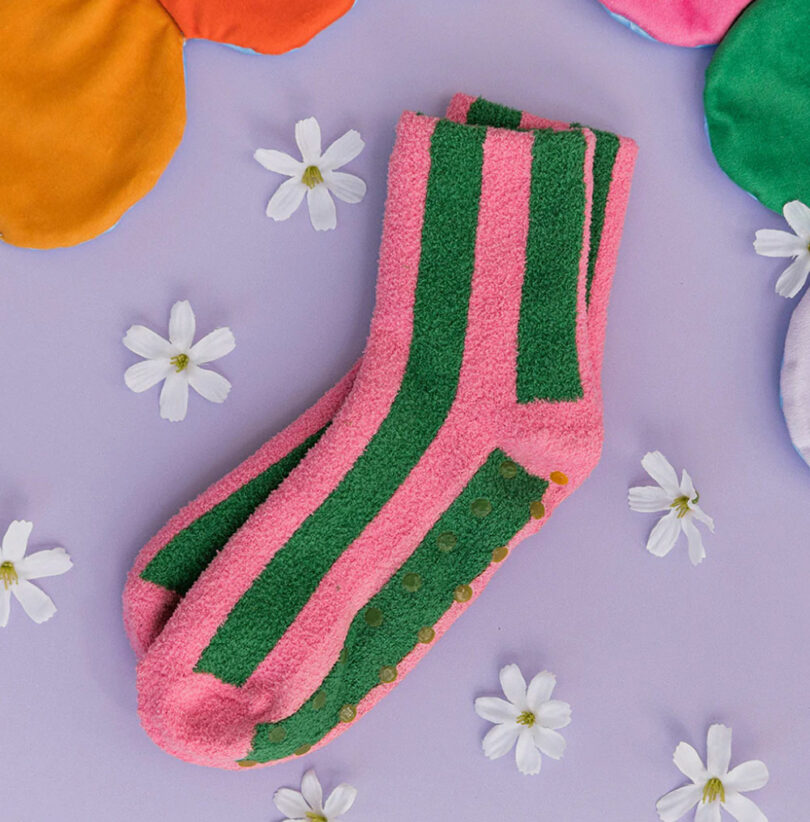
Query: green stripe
x=547, y=361
x=604, y=159
x=181, y=561
x=428, y=389
x=483, y=113
x=370, y=648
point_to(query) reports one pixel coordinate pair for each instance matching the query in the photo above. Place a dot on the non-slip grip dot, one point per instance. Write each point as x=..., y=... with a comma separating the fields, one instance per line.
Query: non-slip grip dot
x=411, y=583
x=374, y=617
x=277, y=734
x=426, y=635
x=463, y=593
x=481, y=508
x=347, y=713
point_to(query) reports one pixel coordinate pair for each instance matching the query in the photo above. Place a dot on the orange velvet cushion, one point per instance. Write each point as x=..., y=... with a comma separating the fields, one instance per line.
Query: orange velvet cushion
x=92, y=97
x=268, y=26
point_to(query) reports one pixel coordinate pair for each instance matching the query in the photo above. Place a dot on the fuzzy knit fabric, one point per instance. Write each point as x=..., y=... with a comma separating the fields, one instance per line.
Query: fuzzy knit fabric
x=266, y=26
x=757, y=105
x=678, y=22
x=170, y=562
x=795, y=378
x=459, y=435
x=79, y=80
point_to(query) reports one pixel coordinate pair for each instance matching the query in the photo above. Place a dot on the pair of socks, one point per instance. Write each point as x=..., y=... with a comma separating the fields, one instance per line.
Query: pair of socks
x=285, y=601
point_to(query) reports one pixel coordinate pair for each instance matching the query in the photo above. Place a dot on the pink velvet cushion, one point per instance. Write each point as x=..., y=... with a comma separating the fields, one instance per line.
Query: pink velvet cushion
x=680, y=22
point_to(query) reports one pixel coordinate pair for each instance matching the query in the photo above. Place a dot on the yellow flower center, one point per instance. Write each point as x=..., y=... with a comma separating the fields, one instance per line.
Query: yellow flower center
x=312, y=176
x=180, y=361
x=8, y=574
x=681, y=504
x=714, y=789
x=527, y=718
x=316, y=817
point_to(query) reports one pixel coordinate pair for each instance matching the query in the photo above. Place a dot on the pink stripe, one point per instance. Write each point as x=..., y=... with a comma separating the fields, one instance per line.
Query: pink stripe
x=459, y=107
x=295, y=668
x=166, y=682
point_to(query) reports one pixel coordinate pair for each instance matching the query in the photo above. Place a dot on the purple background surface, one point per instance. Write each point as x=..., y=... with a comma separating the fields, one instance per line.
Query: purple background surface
x=647, y=651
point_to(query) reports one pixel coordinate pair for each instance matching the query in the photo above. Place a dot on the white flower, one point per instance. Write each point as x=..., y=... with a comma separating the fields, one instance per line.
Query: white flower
x=178, y=362
x=714, y=786
x=314, y=175
x=307, y=805
x=528, y=716
x=680, y=499
x=772, y=243
x=16, y=571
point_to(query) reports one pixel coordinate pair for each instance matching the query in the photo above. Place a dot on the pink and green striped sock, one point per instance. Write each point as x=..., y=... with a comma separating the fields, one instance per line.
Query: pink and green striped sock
x=171, y=562
x=475, y=410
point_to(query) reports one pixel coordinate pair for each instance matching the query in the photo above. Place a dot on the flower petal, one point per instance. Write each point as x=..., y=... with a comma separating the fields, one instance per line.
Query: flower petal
x=527, y=756
x=549, y=742
x=182, y=325
x=499, y=740
x=554, y=714
x=49, y=563
x=279, y=162
x=35, y=602
x=792, y=279
x=322, y=213
x=797, y=215
x=339, y=801
x=688, y=762
x=748, y=776
x=718, y=750
x=143, y=375
x=213, y=346
x=743, y=809
x=5, y=606
x=214, y=387
x=514, y=686
x=675, y=804
x=174, y=397
x=663, y=536
x=345, y=187
x=708, y=813
x=649, y=498
x=342, y=151
x=312, y=790
x=540, y=690
x=660, y=469
x=495, y=709
x=771, y=243
x=286, y=200
x=15, y=540
x=700, y=515
x=291, y=803
x=687, y=487
x=145, y=343
x=308, y=138
x=697, y=553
